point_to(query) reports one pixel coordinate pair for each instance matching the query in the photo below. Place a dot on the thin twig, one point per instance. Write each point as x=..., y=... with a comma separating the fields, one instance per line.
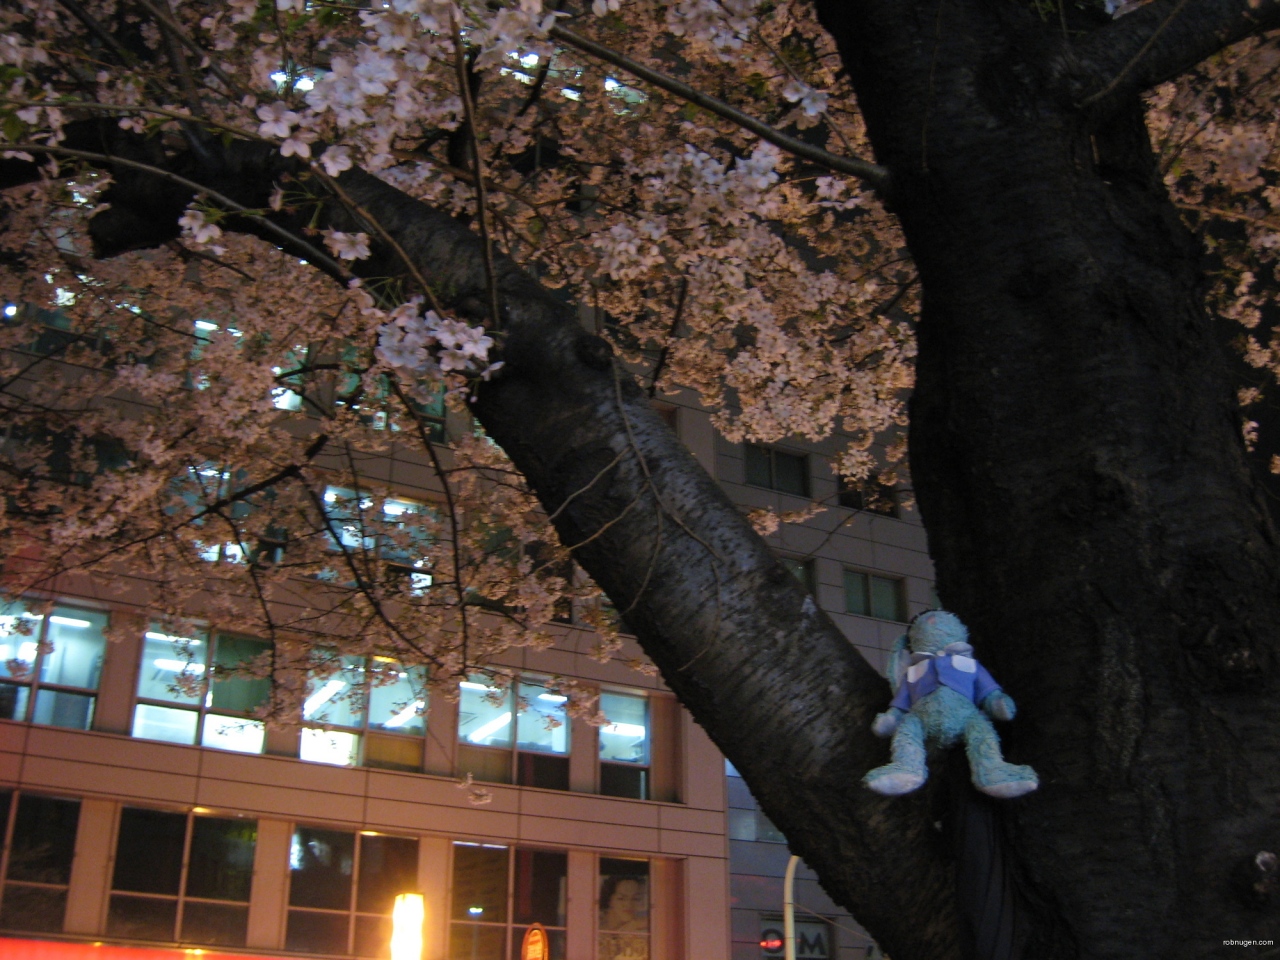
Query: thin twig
x=666, y=346
x=381, y=231
x=874, y=174
x=452, y=508
x=482, y=205
x=1137, y=57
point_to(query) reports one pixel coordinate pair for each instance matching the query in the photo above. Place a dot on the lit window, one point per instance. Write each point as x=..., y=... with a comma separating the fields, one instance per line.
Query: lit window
x=498, y=893
x=40, y=838
x=180, y=702
x=624, y=746
x=623, y=910
x=50, y=665
x=872, y=596
x=342, y=887
x=373, y=712
x=154, y=898
x=776, y=470
x=529, y=717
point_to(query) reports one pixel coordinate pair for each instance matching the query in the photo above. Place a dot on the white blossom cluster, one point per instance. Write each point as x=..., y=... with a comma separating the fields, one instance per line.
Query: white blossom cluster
x=719, y=25
x=426, y=344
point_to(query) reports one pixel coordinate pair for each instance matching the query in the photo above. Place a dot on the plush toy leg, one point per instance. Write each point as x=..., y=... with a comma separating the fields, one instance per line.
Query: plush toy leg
x=991, y=774
x=907, y=771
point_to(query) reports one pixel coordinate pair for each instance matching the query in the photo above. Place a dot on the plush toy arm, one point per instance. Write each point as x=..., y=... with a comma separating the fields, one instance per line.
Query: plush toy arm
x=886, y=723
x=998, y=705
x=899, y=660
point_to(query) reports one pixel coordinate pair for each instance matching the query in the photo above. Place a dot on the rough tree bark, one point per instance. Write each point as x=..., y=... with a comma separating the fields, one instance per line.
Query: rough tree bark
x=1076, y=456
x=1078, y=460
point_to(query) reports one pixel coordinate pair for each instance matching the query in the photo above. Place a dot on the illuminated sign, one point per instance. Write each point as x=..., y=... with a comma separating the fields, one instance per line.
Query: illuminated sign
x=813, y=939
x=535, y=946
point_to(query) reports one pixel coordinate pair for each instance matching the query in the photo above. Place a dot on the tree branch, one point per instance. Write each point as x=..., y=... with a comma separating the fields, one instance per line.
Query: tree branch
x=1156, y=43
x=873, y=174
x=732, y=631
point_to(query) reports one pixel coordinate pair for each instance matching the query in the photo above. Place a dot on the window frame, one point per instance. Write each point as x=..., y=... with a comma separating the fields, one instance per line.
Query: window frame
x=182, y=898
x=516, y=769
x=353, y=913
x=8, y=832
x=773, y=453
x=366, y=732
x=899, y=585
x=509, y=924
x=203, y=705
x=645, y=767
x=32, y=682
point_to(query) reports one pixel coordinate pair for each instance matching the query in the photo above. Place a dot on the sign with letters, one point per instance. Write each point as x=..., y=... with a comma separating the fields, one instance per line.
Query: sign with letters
x=813, y=939
x=535, y=946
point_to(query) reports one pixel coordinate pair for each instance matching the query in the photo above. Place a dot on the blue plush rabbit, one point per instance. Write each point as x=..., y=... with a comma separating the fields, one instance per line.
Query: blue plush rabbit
x=943, y=695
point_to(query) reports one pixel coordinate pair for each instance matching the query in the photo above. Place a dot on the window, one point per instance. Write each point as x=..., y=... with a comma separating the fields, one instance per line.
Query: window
x=872, y=596
x=398, y=534
x=498, y=892
x=341, y=890
x=776, y=470
x=41, y=839
x=802, y=570
x=753, y=825
x=527, y=717
x=624, y=746
x=180, y=703
x=869, y=494
x=50, y=665
x=373, y=712
x=624, y=910
x=182, y=878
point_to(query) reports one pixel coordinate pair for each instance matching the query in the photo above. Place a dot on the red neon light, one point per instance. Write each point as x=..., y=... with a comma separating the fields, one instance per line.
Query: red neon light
x=14, y=949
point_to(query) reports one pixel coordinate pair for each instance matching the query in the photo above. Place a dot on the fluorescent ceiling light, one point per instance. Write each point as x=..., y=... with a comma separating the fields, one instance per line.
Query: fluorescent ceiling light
x=493, y=726
x=322, y=696
x=70, y=621
x=623, y=729
x=178, y=666
x=405, y=715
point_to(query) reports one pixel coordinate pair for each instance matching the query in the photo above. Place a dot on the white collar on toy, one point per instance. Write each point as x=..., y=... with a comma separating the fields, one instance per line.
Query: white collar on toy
x=958, y=652
x=957, y=649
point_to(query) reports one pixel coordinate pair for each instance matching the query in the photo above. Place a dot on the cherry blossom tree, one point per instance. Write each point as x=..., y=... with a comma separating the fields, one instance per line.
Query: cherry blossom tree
x=255, y=252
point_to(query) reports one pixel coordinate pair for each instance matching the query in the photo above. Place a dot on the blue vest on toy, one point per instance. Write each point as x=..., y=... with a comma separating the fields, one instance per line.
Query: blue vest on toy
x=961, y=673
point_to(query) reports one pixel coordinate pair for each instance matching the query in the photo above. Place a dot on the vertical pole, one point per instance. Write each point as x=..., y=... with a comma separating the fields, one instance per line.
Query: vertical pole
x=789, y=909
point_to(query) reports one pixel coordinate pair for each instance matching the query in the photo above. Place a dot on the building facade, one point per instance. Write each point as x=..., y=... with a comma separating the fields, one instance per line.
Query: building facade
x=144, y=806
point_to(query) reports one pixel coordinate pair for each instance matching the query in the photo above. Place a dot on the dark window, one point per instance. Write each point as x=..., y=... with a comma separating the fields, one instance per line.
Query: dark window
x=41, y=848
x=802, y=570
x=342, y=887
x=181, y=878
x=873, y=596
x=776, y=470
x=498, y=892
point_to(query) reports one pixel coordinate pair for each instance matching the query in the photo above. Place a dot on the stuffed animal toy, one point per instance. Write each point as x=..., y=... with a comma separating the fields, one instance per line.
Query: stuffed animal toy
x=943, y=695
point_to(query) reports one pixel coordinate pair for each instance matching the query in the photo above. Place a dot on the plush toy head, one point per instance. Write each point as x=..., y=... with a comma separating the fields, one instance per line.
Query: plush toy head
x=933, y=630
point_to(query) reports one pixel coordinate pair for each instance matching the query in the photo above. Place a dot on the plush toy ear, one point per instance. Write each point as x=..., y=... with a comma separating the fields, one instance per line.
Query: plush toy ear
x=899, y=660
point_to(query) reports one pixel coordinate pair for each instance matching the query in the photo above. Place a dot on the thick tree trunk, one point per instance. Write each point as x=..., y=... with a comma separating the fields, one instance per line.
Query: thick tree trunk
x=1078, y=460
